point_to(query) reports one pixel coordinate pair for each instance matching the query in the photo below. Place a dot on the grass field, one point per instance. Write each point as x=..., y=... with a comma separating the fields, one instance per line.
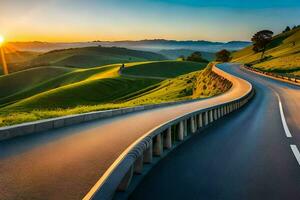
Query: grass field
x=155, y=68
x=71, y=90
x=282, y=55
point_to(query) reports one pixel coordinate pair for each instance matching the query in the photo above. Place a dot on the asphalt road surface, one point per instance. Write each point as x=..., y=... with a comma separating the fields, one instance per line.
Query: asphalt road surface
x=66, y=163
x=251, y=154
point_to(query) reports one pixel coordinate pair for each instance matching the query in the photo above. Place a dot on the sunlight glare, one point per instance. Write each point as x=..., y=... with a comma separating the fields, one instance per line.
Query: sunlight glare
x=1, y=39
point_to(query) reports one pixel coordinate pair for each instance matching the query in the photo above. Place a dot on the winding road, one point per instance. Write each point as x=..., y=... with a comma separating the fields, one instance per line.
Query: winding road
x=251, y=154
x=245, y=155
x=67, y=162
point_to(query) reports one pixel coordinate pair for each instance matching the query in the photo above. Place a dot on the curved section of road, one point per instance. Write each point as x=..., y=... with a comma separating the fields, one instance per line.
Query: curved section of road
x=66, y=163
x=251, y=154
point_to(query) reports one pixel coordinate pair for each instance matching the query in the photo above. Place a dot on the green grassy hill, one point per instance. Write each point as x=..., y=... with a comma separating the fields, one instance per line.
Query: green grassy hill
x=16, y=82
x=93, y=56
x=169, y=69
x=282, y=55
x=16, y=60
x=71, y=90
x=41, y=79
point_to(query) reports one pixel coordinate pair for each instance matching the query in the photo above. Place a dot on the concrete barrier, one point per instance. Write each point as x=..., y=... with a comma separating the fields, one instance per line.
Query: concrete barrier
x=119, y=175
x=294, y=80
x=39, y=126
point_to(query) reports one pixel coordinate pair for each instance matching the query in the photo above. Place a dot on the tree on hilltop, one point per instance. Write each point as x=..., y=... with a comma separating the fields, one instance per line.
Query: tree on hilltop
x=260, y=41
x=196, y=57
x=223, y=56
x=287, y=29
x=181, y=57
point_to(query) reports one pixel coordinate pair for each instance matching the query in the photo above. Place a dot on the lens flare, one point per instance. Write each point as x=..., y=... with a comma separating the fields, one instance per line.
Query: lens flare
x=1, y=39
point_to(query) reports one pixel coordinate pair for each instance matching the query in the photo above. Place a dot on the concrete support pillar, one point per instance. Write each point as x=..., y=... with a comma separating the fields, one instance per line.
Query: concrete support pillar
x=168, y=138
x=192, y=124
x=126, y=180
x=181, y=131
x=185, y=129
x=138, y=165
x=148, y=154
x=216, y=114
x=219, y=113
x=157, y=145
x=211, y=119
x=200, y=121
x=206, y=118
x=196, y=123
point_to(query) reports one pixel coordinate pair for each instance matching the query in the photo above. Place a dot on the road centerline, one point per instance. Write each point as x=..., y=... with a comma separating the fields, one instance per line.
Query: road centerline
x=283, y=120
x=296, y=152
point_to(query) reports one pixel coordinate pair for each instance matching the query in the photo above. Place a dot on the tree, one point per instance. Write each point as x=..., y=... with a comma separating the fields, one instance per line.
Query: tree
x=223, y=56
x=260, y=41
x=287, y=29
x=181, y=57
x=196, y=57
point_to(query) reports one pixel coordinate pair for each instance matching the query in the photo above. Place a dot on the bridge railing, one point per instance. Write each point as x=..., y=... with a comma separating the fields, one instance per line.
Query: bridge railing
x=154, y=144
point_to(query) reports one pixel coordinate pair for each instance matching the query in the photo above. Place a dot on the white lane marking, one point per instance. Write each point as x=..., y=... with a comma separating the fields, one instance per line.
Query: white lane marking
x=285, y=126
x=296, y=152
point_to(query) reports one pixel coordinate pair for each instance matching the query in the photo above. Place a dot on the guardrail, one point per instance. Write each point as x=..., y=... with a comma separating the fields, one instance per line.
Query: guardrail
x=131, y=162
x=275, y=75
x=9, y=132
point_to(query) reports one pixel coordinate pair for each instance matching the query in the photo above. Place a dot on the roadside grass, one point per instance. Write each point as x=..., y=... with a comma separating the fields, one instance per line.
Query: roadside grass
x=282, y=55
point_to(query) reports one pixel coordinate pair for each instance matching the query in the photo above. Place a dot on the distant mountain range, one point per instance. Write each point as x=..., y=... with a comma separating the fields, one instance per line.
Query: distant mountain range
x=150, y=45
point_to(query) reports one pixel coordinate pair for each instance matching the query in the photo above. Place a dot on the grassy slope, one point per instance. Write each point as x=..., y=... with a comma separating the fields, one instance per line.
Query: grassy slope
x=19, y=81
x=281, y=55
x=162, y=69
x=46, y=83
x=101, y=88
x=15, y=59
x=102, y=84
x=93, y=56
x=200, y=84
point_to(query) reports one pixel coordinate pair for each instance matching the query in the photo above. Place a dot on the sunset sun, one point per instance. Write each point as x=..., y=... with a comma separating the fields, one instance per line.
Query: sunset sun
x=1, y=39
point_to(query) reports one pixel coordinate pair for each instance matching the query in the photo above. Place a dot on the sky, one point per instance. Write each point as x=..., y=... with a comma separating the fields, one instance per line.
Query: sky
x=88, y=20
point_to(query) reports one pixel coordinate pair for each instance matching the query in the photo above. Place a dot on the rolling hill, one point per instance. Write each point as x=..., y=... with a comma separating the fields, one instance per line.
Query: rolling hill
x=93, y=56
x=155, y=69
x=80, y=57
x=282, y=55
x=71, y=90
x=153, y=45
x=69, y=86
